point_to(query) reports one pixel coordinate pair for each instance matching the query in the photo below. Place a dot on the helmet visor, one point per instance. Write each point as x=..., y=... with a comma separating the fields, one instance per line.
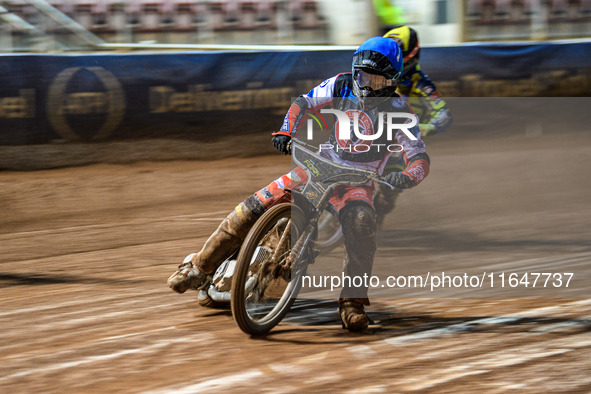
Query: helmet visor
x=369, y=81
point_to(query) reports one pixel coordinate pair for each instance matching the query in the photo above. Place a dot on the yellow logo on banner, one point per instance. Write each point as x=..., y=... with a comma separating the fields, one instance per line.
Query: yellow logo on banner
x=21, y=106
x=60, y=103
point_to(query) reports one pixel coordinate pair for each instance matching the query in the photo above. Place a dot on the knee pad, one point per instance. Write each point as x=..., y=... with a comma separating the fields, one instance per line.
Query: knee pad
x=359, y=229
x=254, y=206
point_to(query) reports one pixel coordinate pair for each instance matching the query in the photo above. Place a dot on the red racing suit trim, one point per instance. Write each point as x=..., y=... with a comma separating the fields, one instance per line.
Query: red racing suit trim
x=417, y=170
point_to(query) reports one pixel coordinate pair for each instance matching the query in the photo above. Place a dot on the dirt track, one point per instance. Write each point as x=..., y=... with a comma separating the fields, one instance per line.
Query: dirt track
x=86, y=252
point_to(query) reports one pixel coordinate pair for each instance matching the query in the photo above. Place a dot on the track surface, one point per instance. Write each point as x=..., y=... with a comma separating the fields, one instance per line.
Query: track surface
x=84, y=305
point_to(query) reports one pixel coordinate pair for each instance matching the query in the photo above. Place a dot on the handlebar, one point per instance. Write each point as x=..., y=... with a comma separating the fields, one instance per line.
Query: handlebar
x=369, y=174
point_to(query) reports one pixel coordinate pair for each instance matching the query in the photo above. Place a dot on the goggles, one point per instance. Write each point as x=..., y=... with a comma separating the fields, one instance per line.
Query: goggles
x=369, y=81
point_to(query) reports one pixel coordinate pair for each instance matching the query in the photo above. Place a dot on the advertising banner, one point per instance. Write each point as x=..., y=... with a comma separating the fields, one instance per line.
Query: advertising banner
x=206, y=95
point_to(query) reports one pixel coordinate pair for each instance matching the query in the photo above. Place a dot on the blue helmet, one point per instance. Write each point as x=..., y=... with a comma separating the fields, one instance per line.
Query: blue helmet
x=377, y=66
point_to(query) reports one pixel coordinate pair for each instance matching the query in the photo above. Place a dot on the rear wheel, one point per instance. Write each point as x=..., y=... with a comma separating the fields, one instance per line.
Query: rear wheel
x=263, y=289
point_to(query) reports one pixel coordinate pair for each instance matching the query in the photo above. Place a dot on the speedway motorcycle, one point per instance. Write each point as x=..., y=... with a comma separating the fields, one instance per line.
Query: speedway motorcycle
x=261, y=282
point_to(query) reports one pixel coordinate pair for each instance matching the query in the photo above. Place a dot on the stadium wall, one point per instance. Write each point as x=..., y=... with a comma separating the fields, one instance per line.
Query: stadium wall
x=199, y=96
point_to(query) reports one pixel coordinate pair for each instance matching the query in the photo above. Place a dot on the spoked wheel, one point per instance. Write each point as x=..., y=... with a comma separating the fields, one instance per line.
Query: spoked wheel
x=263, y=289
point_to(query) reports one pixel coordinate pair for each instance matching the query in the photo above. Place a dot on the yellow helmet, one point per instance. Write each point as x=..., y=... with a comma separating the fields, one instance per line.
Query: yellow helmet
x=408, y=40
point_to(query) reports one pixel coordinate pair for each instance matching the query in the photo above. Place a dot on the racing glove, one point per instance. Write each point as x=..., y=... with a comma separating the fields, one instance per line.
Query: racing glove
x=427, y=129
x=283, y=143
x=415, y=172
x=399, y=180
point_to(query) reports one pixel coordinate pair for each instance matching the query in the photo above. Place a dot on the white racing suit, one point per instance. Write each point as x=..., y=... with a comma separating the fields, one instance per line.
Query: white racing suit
x=354, y=203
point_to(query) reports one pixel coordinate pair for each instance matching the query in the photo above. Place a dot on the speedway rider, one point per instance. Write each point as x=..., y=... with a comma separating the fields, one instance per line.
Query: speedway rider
x=417, y=89
x=434, y=115
x=367, y=92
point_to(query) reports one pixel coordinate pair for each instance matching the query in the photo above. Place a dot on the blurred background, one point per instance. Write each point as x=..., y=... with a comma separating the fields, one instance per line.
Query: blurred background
x=97, y=70
x=44, y=26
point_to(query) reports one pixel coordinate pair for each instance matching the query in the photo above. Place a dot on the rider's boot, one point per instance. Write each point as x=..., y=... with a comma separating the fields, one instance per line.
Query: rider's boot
x=222, y=244
x=359, y=229
x=353, y=314
x=384, y=203
x=187, y=276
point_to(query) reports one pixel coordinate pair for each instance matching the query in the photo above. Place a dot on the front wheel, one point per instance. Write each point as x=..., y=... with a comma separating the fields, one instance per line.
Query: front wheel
x=263, y=289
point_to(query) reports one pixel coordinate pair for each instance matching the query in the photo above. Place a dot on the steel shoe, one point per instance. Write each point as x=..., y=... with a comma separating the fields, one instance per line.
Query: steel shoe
x=187, y=276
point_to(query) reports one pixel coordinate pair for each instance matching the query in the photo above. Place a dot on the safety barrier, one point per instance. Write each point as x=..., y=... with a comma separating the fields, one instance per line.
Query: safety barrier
x=208, y=95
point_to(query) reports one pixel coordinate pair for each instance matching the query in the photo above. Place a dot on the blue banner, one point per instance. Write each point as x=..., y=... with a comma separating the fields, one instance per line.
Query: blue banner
x=511, y=70
x=206, y=95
